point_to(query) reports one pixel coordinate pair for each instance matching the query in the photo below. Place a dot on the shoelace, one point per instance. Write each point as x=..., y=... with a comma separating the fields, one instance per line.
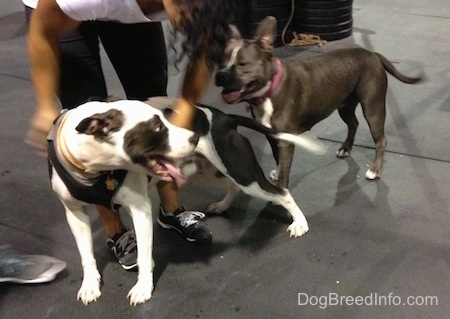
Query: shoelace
x=126, y=243
x=189, y=218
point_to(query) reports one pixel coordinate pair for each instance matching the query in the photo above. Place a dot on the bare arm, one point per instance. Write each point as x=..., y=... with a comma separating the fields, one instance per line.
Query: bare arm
x=196, y=79
x=47, y=22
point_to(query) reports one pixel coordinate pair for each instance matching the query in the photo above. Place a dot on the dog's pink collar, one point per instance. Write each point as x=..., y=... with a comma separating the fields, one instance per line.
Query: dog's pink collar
x=256, y=101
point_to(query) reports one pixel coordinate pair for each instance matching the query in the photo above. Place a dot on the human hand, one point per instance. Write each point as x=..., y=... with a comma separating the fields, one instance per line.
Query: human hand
x=183, y=113
x=38, y=129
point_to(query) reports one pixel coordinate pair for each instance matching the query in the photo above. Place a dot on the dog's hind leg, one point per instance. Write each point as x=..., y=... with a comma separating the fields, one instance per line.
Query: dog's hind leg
x=376, y=125
x=265, y=190
x=225, y=203
x=281, y=197
x=81, y=229
x=347, y=114
x=286, y=155
x=209, y=175
x=374, y=110
x=299, y=226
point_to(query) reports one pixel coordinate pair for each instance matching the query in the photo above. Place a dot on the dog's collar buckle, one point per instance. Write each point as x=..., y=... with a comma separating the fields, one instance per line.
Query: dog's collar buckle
x=256, y=101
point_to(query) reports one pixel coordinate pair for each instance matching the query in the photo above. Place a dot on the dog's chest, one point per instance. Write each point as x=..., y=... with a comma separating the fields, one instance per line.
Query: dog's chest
x=263, y=113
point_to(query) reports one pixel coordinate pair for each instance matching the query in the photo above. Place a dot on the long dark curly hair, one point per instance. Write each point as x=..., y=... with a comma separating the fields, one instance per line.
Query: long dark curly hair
x=205, y=28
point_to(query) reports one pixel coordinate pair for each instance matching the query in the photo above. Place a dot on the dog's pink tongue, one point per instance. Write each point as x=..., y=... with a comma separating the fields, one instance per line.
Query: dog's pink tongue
x=176, y=175
x=231, y=97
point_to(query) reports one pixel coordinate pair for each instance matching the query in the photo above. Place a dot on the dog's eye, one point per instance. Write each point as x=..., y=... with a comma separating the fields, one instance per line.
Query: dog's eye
x=157, y=128
x=242, y=63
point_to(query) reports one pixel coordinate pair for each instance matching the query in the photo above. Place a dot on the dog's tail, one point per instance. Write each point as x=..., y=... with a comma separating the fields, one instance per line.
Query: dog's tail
x=389, y=67
x=312, y=145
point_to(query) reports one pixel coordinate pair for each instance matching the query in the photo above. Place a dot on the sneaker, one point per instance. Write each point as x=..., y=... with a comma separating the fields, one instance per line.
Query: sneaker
x=124, y=248
x=28, y=269
x=187, y=223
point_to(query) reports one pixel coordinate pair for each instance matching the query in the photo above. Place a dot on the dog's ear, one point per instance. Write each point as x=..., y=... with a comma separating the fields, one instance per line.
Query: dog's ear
x=266, y=32
x=101, y=124
x=235, y=34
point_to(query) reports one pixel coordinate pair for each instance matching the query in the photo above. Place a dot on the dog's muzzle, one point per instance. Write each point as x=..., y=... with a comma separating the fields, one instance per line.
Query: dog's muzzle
x=231, y=91
x=224, y=78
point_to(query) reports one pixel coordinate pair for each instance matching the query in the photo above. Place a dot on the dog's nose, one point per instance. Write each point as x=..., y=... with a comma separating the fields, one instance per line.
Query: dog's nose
x=194, y=139
x=222, y=78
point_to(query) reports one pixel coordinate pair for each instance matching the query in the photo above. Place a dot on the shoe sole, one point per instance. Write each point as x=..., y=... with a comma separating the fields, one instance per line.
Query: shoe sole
x=128, y=267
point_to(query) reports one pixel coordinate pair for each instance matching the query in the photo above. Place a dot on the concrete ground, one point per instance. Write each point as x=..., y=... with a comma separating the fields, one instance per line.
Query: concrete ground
x=375, y=249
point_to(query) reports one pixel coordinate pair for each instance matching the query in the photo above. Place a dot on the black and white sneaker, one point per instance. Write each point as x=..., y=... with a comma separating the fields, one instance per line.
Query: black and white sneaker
x=124, y=248
x=187, y=223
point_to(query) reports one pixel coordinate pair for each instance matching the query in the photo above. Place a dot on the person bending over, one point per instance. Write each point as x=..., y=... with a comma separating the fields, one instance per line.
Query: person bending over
x=63, y=46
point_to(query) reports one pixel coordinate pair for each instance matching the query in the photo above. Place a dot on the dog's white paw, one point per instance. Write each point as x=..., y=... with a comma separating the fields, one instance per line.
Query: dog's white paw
x=141, y=292
x=90, y=289
x=217, y=208
x=274, y=175
x=372, y=175
x=342, y=153
x=298, y=228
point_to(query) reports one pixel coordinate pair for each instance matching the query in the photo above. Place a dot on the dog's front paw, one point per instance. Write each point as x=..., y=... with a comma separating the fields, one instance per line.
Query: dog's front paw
x=90, y=289
x=342, y=153
x=218, y=208
x=141, y=292
x=298, y=228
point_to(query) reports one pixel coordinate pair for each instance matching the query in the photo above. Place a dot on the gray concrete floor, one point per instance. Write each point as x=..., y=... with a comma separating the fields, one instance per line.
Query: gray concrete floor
x=383, y=241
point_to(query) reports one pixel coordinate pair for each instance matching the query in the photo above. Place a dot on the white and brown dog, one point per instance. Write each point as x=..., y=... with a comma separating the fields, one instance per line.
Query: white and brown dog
x=102, y=153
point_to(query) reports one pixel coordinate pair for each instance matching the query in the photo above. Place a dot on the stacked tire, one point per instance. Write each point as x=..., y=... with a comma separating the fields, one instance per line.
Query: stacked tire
x=329, y=19
x=251, y=12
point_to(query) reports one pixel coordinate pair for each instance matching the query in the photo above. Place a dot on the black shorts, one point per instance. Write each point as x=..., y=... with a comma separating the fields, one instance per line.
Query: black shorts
x=137, y=52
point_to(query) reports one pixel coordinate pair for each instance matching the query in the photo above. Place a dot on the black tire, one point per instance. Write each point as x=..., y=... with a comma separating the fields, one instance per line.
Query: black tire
x=332, y=36
x=325, y=4
x=247, y=29
x=331, y=20
x=270, y=3
x=306, y=12
x=324, y=20
x=325, y=28
x=252, y=12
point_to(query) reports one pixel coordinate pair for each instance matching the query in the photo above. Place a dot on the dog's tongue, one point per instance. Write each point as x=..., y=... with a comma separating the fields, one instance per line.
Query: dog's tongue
x=175, y=175
x=231, y=97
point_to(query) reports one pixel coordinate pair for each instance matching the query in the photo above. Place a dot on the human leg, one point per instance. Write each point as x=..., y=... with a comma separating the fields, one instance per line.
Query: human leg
x=81, y=79
x=138, y=54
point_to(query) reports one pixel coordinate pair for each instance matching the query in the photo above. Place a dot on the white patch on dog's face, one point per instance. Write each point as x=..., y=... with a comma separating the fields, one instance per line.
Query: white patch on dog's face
x=233, y=56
